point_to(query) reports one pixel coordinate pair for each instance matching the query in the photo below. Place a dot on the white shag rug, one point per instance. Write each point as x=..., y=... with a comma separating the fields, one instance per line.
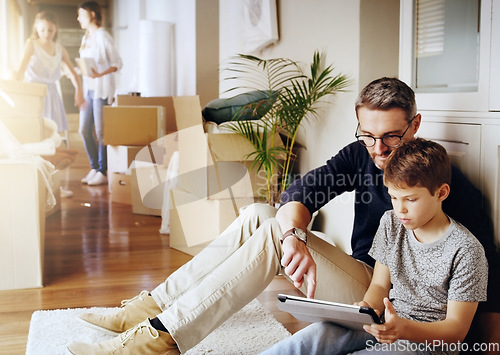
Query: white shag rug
x=250, y=331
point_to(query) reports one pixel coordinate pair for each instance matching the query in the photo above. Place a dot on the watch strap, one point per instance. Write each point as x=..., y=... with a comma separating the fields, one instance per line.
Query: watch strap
x=290, y=232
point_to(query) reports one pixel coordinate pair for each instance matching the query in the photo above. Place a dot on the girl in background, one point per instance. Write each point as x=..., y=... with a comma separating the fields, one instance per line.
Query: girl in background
x=42, y=61
x=99, y=87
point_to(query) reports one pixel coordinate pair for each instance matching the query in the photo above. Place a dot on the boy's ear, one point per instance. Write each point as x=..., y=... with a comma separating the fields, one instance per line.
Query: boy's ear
x=443, y=192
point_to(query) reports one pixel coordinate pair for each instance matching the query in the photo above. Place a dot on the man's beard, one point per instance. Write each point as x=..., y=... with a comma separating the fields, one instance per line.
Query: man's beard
x=374, y=157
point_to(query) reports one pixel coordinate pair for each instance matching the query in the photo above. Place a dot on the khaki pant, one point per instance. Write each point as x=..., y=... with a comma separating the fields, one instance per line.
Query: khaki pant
x=237, y=267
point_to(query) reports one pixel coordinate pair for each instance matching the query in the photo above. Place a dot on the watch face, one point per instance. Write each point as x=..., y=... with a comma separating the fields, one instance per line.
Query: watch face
x=300, y=233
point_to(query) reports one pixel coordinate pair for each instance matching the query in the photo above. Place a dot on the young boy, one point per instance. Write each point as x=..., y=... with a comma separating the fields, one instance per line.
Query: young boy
x=430, y=271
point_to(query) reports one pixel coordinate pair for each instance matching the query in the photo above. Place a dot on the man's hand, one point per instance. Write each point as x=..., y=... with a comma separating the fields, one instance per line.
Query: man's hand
x=298, y=262
x=391, y=330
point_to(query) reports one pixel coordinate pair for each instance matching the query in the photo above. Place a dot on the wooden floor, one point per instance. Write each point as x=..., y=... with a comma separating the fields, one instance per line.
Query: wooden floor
x=96, y=254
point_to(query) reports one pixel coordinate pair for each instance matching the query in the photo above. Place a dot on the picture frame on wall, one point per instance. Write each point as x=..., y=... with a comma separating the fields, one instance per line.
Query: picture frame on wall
x=260, y=24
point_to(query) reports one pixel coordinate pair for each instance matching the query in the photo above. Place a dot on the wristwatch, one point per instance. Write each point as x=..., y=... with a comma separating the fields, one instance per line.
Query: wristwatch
x=297, y=233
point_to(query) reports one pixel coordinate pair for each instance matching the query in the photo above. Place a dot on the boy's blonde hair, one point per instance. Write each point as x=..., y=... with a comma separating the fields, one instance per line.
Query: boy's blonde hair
x=418, y=162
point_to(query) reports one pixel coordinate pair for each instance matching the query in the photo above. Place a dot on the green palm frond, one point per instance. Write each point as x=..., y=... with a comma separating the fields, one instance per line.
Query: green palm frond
x=293, y=97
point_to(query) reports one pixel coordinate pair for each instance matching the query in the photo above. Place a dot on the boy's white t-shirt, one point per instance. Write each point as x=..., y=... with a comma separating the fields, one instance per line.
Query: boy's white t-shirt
x=426, y=276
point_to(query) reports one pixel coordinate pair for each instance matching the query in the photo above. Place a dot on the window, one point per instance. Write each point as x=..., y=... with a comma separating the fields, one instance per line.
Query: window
x=447, y=45
x=11, y=37
x=430, y=25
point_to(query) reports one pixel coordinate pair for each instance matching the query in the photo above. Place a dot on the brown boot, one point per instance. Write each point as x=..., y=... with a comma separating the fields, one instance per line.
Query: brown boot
x=133, y=312
x=141, y=339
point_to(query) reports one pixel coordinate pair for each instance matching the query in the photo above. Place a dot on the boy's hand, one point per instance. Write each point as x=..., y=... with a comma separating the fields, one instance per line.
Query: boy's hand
x=366, y=304
x=391, y=330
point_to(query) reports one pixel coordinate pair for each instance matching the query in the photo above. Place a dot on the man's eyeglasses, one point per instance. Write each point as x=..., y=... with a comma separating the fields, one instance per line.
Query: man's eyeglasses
x=390, y=140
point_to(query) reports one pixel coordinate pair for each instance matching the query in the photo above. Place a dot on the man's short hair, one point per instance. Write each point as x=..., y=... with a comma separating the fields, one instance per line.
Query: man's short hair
x=388, y=93
x=418, y=162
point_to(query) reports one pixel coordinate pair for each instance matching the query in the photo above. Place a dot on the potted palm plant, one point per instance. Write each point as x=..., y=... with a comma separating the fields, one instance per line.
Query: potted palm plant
x=292, y=96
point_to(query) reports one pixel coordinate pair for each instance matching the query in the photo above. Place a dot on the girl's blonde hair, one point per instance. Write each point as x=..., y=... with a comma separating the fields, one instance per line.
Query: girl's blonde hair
x=47, y=16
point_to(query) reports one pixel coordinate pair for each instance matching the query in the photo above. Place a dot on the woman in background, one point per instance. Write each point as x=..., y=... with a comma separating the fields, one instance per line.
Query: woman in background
x=99, y=86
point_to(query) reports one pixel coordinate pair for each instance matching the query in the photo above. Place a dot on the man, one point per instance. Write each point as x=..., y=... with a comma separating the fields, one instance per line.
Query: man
x=261, y=242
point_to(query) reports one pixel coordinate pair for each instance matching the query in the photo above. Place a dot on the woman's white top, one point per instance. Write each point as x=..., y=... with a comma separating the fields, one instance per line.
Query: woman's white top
x=105, y=54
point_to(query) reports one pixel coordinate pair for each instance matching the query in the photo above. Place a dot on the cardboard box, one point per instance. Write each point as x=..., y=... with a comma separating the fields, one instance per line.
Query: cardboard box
x=149, y=174
x=27, y=130
x=22, y=226
x=195, y=222
x=171, y=145
x=177, y=239
x=187, y=111
x=212, y=162
x=165, y=101
x=56, y=190
x=213, y=181
x=196, y=167
x=229, y=151
x=147, y=187
x=120, y=188
x=21, y=99
x=120, y=157
x=133, y=125
x=154, y=153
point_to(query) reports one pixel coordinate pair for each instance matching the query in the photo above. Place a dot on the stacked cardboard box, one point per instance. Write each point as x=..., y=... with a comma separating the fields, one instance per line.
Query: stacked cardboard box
x=164, y=101
x=20, y=99
x=214, y=182
x=136, y=130
x=133, y=125
x=23, y=187
x=120, y=157
x=22, y=225
x=21, y=108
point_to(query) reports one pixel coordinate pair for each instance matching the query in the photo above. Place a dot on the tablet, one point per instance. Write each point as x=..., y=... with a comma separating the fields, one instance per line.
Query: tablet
x=311, y=310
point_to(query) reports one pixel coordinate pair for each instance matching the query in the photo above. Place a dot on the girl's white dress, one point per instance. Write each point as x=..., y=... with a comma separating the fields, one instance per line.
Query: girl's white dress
x=46, y=69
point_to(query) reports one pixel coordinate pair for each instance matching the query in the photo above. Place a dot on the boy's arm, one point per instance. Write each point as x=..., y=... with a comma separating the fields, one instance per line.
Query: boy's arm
x=378, y=289
x=452, y=329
